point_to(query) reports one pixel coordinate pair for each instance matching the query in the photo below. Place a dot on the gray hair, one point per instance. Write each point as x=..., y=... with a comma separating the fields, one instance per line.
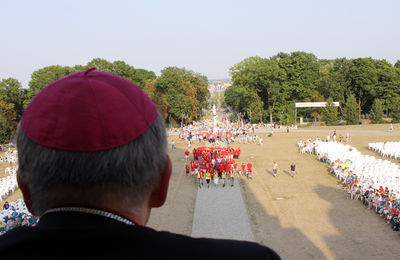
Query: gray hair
x=54, y=176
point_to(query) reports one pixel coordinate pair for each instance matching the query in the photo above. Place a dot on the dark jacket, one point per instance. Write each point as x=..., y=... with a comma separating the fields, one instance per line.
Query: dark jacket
x=73, y=235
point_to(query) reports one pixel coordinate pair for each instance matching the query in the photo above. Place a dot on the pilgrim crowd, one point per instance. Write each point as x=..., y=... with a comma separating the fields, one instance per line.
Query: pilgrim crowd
x=375, y=182
x=15, y=214
x=213, y=166
x=386, y=149
x=223, y=131
x=10, y=156
x=8, y=184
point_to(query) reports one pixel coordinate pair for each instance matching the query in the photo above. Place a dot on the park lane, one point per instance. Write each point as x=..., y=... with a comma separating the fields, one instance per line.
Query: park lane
x=221, y=213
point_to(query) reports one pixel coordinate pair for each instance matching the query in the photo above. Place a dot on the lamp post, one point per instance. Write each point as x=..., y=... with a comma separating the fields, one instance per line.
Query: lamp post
x=280, y=118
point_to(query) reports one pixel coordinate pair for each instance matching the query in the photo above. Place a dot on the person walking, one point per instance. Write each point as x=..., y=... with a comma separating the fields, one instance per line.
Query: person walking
x=223, y=177
x=242, y=169
x=232, y=177
x=187, y=155
x=275, y=169
x=208, y=178
x=249, y=172
x=292, y=169
x=200, y=178
x=187, y=168
x=215, y=179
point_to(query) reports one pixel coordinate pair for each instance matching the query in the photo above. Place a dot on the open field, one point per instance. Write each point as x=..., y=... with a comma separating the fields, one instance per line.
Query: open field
x=306, y=217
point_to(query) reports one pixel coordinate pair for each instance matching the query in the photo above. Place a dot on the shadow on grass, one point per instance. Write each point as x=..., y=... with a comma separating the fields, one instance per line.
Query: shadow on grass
x=288, y=173
x=358, y=228
x=269, y=231
x=270, y=172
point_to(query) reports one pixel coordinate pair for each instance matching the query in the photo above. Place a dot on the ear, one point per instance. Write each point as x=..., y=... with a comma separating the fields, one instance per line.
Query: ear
x=26, y=193
x=159, y=194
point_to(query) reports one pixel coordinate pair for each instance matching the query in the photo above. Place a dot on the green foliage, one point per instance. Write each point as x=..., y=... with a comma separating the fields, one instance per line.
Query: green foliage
x=396, y=110
x=302, y=77
x=362, y=79
x=43, y=77
x=11, y=91
x=387, y=87
x=261, y=83
x=239, y=98
x=222, y=99
x=330, y=113
x=137, y=76
x=8, y=110
x=351, y=112
x=376, y=113
x=332, y=81
x=180, y=94
x=302, y=71
x=4, y=129
x=269, y=86
x=262, y=87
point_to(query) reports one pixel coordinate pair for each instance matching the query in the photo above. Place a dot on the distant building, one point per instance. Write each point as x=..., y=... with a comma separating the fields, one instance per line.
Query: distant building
x=219, y=85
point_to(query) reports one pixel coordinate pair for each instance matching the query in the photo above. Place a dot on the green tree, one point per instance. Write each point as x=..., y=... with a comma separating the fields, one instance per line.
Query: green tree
x=330, y=113
x=183, y=92
x=158, y=97
x=332, y=81
x=302, y=71
x=351, y=112
x=142, y=75
x=4, y=129
x=395, y=114
x=376, y=112
x=101, y=65
x=8, y=111
x=11, y=91
x=239, y=98
x=265, y=81
x=121, y=68
x=362, y=80
x=388, y=84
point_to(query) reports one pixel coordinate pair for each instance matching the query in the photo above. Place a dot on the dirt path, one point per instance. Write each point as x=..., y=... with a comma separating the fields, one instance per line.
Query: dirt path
x=177, y=213
x=220, y=212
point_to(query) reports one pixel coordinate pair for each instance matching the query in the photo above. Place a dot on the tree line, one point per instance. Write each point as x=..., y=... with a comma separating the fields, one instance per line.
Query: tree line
x=180, y=94
x=265, y=89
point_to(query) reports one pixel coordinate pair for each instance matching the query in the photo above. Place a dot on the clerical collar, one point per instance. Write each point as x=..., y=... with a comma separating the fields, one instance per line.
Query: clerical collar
x=98, y=212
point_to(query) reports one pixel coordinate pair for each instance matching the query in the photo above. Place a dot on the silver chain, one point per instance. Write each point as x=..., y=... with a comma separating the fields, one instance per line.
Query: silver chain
x=92, y=211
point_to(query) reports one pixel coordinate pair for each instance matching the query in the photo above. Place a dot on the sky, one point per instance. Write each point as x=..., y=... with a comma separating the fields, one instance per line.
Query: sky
x=207, y=37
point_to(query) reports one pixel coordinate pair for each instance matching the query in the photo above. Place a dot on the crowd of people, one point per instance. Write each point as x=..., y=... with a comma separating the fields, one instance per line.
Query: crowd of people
x=214, y=165
x=8, y=183
x=15, y=214
x=375, y=182
x=224, y=131
x=386, y=149
x=10, y=156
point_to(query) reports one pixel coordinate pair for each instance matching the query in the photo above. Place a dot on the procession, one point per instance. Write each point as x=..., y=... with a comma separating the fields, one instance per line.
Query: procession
x=214, y=165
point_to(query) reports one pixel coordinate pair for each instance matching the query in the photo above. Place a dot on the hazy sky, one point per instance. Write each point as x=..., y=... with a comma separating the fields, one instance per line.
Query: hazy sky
x=204, y=36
